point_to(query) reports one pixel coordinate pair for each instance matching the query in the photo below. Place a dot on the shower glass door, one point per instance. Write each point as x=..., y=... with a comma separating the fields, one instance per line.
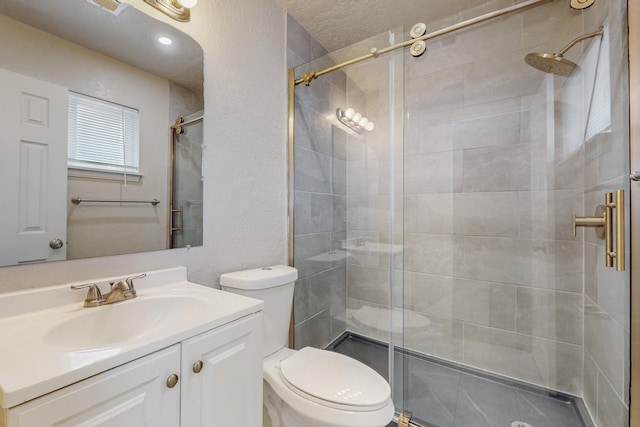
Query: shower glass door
x=438, y=247
x=186, y=198
x=525, y=323
x=348, y=237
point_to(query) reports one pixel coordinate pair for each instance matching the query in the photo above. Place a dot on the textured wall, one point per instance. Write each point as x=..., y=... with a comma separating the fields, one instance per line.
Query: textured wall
x=245, y=189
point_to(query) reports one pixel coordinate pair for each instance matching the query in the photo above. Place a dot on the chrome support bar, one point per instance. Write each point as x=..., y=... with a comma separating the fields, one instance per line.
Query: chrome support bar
x=374, y=53
x=180, y=123
x=77, y=200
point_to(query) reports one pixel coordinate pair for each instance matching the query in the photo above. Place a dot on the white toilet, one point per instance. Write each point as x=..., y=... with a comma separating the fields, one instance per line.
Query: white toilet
x=309, y=387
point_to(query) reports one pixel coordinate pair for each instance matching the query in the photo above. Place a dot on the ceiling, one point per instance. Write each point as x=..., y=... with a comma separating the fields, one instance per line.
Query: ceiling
x=336, y=24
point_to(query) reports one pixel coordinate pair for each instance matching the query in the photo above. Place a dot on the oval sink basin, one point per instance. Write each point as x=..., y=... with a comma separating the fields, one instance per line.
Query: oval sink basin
x=119, y=323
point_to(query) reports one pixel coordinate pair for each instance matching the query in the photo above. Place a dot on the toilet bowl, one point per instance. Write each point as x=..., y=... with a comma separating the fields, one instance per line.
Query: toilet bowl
x=309, y=387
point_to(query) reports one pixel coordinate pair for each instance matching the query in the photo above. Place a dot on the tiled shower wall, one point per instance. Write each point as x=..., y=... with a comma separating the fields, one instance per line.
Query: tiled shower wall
x=320, y=205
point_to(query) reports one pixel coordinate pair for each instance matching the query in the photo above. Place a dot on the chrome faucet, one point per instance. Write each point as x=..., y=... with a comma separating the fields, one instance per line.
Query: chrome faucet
x=120, y=291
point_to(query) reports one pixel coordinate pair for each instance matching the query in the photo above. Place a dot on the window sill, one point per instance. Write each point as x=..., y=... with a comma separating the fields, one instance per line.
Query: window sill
x=76, y=172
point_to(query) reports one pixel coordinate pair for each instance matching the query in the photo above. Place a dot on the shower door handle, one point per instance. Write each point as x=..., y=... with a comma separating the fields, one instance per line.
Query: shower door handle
x=604, y=218
x=179, y=227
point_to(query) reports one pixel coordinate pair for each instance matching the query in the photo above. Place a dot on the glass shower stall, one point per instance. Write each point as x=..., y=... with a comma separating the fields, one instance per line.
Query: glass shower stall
x=433, y=217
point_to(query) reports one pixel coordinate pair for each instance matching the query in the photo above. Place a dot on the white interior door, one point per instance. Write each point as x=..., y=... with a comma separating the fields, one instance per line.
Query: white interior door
x=33, y=169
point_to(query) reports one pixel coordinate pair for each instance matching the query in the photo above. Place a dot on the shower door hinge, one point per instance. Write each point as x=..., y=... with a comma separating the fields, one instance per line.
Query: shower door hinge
x=404, y=419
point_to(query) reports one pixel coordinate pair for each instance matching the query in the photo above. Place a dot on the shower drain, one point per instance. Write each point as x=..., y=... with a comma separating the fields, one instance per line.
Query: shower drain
x=520, y=424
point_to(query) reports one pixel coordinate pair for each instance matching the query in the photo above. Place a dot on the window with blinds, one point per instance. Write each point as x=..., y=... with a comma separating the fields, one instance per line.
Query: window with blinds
x=103, y=136
x=599, y=89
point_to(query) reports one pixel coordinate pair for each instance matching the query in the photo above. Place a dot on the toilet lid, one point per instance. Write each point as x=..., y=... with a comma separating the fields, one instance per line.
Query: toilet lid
x=335, y=378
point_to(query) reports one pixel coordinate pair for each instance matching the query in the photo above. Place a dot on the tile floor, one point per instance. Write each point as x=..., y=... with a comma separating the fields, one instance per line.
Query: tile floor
x=440, y=394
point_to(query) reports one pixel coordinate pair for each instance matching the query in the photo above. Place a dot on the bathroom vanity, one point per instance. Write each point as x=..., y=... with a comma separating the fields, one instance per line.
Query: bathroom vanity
x=179, y=354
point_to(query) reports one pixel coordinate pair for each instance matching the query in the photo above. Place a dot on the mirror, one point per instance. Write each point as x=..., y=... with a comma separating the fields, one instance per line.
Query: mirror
x=79, y=46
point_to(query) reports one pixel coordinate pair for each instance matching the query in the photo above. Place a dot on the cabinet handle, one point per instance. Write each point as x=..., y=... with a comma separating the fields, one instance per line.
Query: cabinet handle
x=172, y=380
x=197, y=367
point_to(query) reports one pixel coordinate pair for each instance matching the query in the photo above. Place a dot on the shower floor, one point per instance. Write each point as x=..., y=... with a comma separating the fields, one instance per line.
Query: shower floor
x=443, y=394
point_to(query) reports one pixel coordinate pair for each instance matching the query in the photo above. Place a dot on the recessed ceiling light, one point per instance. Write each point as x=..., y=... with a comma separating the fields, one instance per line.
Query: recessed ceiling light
x=165, y=40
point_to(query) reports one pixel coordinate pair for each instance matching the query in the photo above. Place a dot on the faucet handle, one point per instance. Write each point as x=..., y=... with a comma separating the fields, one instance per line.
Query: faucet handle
x=94, y=291
x=121, y=285
x=94, y=296
x=129, y=281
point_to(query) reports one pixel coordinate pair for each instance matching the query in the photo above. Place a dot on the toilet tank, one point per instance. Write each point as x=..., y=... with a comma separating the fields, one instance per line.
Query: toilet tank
x=274, y=285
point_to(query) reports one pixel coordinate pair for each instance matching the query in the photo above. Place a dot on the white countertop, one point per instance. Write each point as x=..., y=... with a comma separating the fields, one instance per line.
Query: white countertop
x=33, y=364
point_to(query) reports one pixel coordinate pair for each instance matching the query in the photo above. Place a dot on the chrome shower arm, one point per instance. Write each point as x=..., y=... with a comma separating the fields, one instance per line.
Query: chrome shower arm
x=577, y=40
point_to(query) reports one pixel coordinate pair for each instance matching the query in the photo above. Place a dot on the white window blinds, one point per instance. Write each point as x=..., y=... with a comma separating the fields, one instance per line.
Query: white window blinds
x=103, y=136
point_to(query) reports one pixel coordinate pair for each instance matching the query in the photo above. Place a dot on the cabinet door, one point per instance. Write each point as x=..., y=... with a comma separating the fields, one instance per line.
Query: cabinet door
x=228, y=389
x=131, y=395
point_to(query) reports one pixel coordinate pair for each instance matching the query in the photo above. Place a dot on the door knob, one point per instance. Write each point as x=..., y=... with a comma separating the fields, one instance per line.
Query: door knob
x=197, y=367
x=56, y=244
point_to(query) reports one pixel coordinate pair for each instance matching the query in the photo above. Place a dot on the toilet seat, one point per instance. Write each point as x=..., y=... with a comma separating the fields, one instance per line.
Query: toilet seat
x=334, y=380
x=315, y=412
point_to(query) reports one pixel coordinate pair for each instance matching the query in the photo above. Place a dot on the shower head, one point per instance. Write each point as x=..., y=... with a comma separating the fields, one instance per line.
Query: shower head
x=556, y=63
x=581, y=4
x=553, y=63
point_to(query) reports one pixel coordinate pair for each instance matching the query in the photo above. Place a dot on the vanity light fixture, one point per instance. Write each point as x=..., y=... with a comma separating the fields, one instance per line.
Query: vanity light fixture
x=354, y=120
x=111, y=6
x=188, y=3
x=180, y=10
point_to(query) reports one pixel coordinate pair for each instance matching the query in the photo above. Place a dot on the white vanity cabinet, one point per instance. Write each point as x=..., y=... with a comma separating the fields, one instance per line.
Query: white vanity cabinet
x=224, y=389
x=131, y=395
x=222, y=376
